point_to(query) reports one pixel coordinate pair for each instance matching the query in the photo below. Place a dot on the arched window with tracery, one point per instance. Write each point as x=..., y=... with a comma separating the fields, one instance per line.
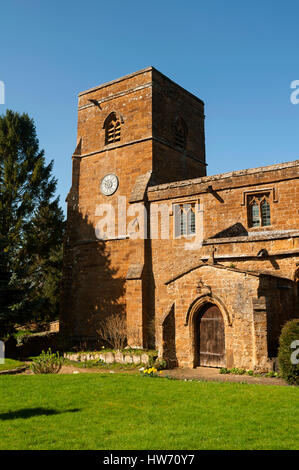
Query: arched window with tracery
x=180, y=134
x=185, y=224
x=112, y=126
x=259, y=213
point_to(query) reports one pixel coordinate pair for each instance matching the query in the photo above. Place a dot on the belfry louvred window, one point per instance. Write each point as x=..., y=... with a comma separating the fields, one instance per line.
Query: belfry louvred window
x=112, y=129
x=259, y=210
x=180, y=134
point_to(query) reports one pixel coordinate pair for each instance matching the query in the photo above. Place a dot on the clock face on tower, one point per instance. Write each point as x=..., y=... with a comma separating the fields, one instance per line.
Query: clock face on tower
x=109, y=184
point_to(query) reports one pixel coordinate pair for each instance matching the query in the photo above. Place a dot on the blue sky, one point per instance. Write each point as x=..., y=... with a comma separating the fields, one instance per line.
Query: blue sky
x=239, y=57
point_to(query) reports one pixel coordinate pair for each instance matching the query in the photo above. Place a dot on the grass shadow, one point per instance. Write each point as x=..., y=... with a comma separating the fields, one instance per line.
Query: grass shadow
x=30, y=412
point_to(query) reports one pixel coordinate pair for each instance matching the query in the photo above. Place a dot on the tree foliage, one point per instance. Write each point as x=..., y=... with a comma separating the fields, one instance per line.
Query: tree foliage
x=31, y=226
x=288, y=347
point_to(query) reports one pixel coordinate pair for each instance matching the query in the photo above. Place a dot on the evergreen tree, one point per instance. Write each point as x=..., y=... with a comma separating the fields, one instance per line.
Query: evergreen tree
x=31, y=227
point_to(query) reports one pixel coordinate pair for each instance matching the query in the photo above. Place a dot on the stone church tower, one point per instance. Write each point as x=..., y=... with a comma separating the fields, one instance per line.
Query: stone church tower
x=222, y=302
x=133, y=129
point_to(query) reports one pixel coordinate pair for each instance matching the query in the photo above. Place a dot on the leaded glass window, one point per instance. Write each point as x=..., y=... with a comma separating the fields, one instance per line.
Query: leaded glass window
x=255, y=215
x=259, y=210
x=265, y=213
x=185, y=224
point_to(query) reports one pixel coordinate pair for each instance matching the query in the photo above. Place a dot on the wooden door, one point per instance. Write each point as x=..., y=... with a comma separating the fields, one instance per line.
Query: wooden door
x=210, y=337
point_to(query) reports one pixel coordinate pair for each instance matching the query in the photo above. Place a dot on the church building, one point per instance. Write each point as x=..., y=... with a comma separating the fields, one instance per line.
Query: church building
x=205, y=268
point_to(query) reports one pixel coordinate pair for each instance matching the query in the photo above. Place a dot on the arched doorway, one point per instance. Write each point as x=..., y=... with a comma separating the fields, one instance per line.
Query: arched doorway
x=209, y=337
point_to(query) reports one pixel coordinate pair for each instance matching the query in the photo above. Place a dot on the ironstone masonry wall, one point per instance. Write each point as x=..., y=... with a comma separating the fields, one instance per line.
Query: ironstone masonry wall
x=223, y=200
x=147, y=104
x=133, y=275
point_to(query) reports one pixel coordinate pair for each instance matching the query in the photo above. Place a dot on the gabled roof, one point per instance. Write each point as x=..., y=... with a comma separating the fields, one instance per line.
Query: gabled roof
x=226, y=268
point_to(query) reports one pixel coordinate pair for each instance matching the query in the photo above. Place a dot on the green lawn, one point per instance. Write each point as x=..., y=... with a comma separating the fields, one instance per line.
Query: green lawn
x=118, y=411
x=10, y=364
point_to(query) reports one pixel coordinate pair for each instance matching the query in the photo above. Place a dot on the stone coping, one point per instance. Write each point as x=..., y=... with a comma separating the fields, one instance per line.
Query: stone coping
x=116, y=80
x=223, y=176
x=227, y=268
x=254, y=237
x=134, y=74
x=111, y=357
x=17, y=370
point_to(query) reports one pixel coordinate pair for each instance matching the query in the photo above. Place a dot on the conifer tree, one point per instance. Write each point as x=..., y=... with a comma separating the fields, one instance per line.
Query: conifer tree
x=31, y=227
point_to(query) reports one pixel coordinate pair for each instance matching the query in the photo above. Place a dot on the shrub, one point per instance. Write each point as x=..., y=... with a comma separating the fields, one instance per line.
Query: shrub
x=289, y=334
x=151, y=361
x=46, y=363
x=224, y=370
x=271, y=374
x=113, y=330
x=237, y=371
x=21, y=336
x=160, y=364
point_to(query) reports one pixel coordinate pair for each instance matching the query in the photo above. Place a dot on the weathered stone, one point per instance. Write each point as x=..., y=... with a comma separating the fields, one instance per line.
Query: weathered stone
x=119, y=357
x=109, y=358
x=136, y=358
x=144, y=359
x=128, y=359
x=164, y=284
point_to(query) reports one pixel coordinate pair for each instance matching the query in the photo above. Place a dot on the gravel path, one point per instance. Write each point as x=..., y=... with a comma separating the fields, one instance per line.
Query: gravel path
x=212, y=374
x=200, y=373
